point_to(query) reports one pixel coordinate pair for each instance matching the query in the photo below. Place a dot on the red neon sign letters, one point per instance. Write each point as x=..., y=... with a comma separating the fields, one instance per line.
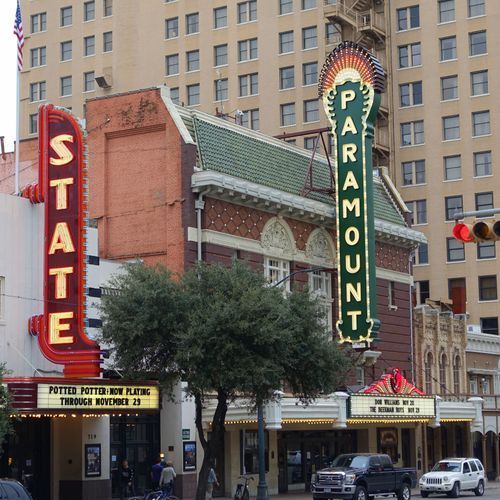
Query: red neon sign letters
x=62, y=187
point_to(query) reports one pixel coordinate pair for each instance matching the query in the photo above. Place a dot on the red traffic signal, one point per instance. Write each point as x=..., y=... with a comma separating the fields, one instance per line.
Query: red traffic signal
x=479, y=231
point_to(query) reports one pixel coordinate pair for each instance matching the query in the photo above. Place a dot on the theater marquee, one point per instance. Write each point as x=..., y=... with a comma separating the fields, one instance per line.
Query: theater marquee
x=381, y=407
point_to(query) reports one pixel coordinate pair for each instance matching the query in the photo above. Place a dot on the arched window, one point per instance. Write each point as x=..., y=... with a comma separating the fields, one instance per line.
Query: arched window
x=442, y=373
x=456, y=374
x=428, y=372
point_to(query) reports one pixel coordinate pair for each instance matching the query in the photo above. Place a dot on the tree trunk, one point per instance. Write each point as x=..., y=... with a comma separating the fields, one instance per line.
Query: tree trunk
x=216, y=441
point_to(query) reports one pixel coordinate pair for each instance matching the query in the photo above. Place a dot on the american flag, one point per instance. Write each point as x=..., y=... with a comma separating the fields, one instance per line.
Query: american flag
x=18, y=31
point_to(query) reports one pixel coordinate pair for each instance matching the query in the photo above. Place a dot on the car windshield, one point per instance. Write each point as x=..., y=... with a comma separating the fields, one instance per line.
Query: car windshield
x=356, y=462
x=446, y=467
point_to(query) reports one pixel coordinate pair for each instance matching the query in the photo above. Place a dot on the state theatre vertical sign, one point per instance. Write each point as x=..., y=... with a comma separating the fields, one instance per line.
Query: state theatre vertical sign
x=62, y=188
x=350, y=84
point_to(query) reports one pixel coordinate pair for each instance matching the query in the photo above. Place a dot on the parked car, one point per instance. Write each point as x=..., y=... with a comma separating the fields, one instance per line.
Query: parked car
x=453, y=475
x=358, y=476
x=10, y=489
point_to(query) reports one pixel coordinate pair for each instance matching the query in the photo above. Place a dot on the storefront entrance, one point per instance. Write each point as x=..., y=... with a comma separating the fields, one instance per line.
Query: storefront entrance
x=26, y=456
x=302, y=453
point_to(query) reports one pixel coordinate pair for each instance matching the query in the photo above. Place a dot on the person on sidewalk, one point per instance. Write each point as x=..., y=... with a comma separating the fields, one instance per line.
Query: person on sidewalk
x=156, y=471
x=167, y=478
x=212, y=480
x=126, y=480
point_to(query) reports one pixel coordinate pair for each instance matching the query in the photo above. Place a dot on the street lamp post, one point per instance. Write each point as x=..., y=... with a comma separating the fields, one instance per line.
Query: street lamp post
x=261, y=444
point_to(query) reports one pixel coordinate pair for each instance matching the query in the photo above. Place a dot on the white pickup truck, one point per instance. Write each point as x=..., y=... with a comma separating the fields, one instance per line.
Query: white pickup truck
x=453, y=475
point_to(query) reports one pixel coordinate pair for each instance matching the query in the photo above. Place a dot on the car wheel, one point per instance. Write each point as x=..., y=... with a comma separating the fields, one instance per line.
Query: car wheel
x=479, y=490
x=424, y=494
x=360, y=494
x=404, y=493
x=455, y=491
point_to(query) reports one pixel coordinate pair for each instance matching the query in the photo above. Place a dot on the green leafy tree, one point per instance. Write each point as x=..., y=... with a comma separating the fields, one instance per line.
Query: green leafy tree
x=224, y=332
x=5, y=409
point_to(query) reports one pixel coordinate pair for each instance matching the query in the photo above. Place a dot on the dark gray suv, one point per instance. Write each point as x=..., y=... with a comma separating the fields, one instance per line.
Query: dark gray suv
x=10, y=489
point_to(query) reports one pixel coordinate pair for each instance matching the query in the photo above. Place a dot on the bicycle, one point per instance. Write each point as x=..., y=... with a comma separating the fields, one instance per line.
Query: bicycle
x=242, y=492
x=155, y=495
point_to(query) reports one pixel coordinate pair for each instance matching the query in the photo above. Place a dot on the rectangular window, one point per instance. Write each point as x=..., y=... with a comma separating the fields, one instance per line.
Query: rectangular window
x=249, y=446
x=413, y=172
x=107, y=41
x=488, y=287
x=477, y=43
x=448, y=48
x=248, y=84
x=456, y=284
x=486, y=250
x=333, y=33
x=88, y=81
x=66, y=16
x=475, y=8
x=410, y=94
x=221, y=89
x=446, y=10
x=310, y=73
x=408, y=17
x=489, y=325
x=66, y=86
x=320, y=285
x=38, y=91
x=451, y=128
x=220, y=54
x=38, y=57
x=275, y=270
x=192, y=23
x=309, y=143
x=287, y=77
x=449, y=87
x=172, y=64
x=250, y=119
x=286, y=42
x=287, y=114
x=107, y=8
x=412, y=133
x=423, y=291
x=455, y=250
x=247, y=50
x=174, y=95
x=418, y=208
x=309, y=38
x=452, y=168
x=39, y=22
x=193, y=60
x=311, y=110
x=423, y=253
x=482, y=163
x=479, y=82
x=89, y=11
x=247, y=11
x=220, y=17
x=172, y=28
x=484, y=201
x=33, y=127
x=308, y=4
x=193, y=94
x=89, y=45
x=66, y=50
x=453, y=204
x=285, y=6
x=481, y=123
x=409, y=55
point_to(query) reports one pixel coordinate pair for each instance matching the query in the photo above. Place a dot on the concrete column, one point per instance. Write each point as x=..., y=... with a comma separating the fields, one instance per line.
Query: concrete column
x=497, y=458
x=425, y=460
x=485, y=455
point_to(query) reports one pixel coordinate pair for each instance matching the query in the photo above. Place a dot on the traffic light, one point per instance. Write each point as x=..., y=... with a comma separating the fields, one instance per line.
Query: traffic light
x=479, y=231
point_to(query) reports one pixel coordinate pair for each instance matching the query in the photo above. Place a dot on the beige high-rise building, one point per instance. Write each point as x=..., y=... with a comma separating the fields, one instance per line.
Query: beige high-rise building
x=258, y=61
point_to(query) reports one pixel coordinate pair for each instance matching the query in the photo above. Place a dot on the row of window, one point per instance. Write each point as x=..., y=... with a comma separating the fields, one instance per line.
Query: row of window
x=412, y=133
x=409, y=17
x=39, y=20
x=38, y=55
x=410, y=55
x=411, y=94
x=443, y=365
x=413, y=172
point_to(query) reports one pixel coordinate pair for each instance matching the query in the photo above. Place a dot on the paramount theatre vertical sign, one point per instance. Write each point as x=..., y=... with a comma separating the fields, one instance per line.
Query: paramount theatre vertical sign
x=350, y=85
x=62, y=187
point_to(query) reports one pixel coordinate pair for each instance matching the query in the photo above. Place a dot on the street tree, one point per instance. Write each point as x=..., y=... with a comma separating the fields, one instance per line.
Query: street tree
x=5, y=409
x=224, y=332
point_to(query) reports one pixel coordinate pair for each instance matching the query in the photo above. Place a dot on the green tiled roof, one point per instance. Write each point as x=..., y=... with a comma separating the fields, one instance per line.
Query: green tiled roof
x=246, y=156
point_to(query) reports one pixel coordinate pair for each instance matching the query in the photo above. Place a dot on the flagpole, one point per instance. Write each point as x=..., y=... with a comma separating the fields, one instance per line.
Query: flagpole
x=16, y=180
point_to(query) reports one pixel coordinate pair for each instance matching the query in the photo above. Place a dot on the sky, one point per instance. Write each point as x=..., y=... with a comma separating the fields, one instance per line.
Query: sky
x=8, y=65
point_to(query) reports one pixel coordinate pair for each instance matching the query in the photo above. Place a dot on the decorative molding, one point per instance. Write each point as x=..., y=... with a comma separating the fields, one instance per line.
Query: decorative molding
x=174, y=112
x=483, y=343
x=320, y=246
x=277, y=239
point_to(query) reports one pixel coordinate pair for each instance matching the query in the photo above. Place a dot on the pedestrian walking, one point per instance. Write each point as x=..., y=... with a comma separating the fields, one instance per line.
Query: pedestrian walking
x=156, y=471
x=167, y=478
x=211, y=482
x=126, y=475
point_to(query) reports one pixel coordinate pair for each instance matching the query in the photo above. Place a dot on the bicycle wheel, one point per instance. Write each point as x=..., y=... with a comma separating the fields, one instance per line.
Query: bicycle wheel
x=246, y=495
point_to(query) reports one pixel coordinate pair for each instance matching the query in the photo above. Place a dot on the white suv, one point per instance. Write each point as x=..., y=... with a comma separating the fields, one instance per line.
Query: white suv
x=452, y=475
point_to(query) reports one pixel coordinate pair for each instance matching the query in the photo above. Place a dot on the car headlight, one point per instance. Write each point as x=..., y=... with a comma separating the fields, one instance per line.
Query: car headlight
x=350, y=478
x=446, y=479
x=422, y=479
